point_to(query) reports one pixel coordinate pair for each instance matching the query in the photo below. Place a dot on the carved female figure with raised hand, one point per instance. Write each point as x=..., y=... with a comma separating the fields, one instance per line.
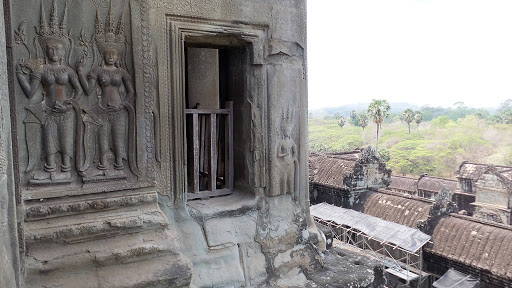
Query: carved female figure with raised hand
x=112, y=117
x=54, y=115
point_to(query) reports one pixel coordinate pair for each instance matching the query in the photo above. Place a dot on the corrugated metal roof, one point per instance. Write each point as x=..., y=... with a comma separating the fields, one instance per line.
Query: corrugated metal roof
x=330, y=169
x=479, y=244
x=456, y=279
x=398, y=209
x=403, y=183
x=405, y=237
x=436, y=185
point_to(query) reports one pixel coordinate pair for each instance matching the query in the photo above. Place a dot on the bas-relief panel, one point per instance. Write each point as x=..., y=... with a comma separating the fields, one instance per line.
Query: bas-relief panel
x=77, y=107
x=285, y=86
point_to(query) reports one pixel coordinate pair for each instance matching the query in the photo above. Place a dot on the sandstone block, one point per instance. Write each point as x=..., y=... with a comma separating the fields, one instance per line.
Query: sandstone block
x=231, y=230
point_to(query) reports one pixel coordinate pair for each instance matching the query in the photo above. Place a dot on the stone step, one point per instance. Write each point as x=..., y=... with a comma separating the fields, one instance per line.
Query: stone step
x=134, y=260
x=51, y=208
x=91, y=226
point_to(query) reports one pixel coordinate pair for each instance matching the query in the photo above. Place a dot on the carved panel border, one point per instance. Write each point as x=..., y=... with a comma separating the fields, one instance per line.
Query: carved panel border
x=144, y=65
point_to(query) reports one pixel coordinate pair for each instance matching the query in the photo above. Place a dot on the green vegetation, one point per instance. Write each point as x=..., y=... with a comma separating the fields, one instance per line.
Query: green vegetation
x=435, y=146
x=378, y=110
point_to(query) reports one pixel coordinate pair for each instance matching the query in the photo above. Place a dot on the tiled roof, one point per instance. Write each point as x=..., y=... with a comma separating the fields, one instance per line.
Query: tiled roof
x=471, y=170
x=403, y=183
x=474, y=170
x=401, y=209
x=435, y=184
x=475, y=243
x=330, y=169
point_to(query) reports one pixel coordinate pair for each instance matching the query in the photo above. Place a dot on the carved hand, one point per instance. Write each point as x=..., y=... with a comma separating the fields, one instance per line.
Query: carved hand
x=19, y=67
x=34, y=65
x=59, y=108
x=114, y=108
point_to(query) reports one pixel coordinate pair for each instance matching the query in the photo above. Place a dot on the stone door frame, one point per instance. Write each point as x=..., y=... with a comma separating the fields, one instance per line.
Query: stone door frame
x=172, y=106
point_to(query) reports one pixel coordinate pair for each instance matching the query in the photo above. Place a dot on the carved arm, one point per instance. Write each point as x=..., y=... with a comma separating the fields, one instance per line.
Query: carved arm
x=76, y=85
x=87, y=86
x=282, y=152
x=128, y=84
x=29, y=88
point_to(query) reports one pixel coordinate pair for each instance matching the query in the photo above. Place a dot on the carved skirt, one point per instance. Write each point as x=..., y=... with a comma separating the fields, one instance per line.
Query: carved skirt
x=59, y=133
x=110, y=132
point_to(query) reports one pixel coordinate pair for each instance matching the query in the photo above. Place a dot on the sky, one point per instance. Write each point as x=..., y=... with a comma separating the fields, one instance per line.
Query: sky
x=424, y=52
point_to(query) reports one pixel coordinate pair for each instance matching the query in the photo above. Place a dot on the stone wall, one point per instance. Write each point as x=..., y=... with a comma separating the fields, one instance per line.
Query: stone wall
x=100, y=157
x=9, y=260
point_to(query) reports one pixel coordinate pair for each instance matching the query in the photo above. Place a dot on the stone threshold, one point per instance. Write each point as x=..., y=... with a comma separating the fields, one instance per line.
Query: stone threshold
x=238, y=203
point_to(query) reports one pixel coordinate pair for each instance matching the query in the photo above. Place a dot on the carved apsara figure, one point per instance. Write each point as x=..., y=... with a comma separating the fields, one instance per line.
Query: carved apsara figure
x=287, y=160
x=55, y=115
x=110, y=122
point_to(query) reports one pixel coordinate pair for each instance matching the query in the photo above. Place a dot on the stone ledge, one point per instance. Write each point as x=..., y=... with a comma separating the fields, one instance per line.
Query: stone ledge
x=236, y=204
x=126, y=261
x=103, y=224
x=92, y=203
x=235, y=230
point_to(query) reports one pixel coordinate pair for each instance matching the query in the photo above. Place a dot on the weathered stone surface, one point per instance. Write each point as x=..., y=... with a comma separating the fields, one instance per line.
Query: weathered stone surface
x=9, y=265
x=286, y=257
x=231, y=230
x=306, y=257
x=281, y=230
x=219, y=268
x=112, y=128
x=167, y=271
x=254, y=263
x=294, y=278
x=347, y=268
x=233, y=205
x=137, y=260
x=7, y=277
x=105, y=223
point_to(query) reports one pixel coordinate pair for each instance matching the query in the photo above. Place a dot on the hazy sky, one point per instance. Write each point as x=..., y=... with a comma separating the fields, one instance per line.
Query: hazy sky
x=433, y=52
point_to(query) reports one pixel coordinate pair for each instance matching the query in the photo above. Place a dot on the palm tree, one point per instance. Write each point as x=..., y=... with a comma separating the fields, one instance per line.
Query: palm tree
x=418, y=117
x=341, y=121
x=363, y=120
x=353, y=118
x=408, y=116
x=378, y=111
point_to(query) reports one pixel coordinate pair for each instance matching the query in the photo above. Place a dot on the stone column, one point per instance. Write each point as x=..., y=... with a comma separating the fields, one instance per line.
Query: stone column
x=8, y=240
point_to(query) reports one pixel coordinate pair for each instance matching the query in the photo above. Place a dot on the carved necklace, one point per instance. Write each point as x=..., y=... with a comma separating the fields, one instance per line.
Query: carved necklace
x=55, y=70
x=111, y=73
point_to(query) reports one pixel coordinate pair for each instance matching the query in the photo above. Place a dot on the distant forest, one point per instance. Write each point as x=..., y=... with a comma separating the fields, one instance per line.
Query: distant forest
x=438, y=141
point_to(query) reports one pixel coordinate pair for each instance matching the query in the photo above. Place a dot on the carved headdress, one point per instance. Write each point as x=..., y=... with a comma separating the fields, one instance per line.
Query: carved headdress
x=108, y=35
x=287, y=118
x=55, y=32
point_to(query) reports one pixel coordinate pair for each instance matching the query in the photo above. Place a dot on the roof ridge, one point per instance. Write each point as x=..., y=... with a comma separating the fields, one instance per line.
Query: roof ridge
x=400, y=176
x=448, y=179
x=405, y=196
x=484, y=164
x=482, y=221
